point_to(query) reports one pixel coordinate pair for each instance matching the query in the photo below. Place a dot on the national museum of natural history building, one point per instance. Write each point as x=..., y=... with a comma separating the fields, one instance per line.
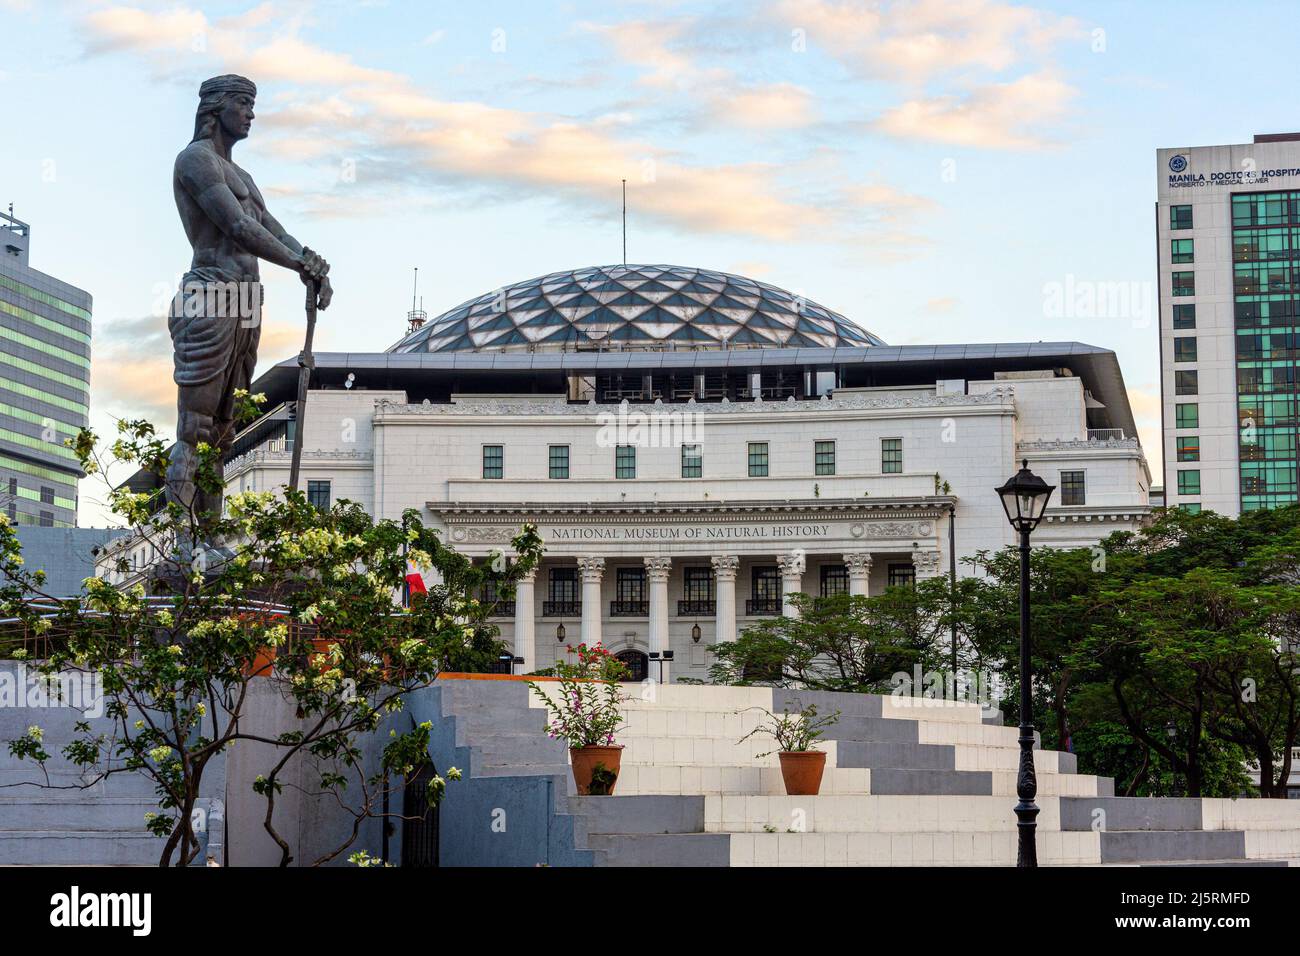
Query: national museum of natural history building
x=694, y=447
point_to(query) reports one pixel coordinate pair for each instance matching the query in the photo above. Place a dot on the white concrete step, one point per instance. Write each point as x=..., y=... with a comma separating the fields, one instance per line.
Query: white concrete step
x=856, y=813
x=676, y=779
x=707, y=751
x=917, y=848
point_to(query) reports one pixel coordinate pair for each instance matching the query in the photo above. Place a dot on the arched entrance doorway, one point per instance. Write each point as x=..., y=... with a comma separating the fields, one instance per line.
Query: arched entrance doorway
x=637, y=663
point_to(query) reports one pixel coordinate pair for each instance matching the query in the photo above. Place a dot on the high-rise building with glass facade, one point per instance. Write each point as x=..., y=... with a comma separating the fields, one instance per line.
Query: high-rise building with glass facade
x=44, y=385
x=1228, y=249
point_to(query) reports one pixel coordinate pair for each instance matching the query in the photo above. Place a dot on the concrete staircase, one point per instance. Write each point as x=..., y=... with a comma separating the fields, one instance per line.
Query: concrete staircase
x=908, y=783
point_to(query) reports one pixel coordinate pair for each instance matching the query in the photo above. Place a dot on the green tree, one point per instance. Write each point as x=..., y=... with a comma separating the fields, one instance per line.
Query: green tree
x=840, y=643
x=274, y=590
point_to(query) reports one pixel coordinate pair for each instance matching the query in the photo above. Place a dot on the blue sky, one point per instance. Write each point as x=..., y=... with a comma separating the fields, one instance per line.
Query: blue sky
x=926, y=168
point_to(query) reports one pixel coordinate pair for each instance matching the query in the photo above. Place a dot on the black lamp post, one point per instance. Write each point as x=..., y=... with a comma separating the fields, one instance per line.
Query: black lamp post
x=1024, y=498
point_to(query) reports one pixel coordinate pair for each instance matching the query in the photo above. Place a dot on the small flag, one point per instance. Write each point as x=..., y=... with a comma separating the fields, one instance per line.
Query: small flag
x=414, y=580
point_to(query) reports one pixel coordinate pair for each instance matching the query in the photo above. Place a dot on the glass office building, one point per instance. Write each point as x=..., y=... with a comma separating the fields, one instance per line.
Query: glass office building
x=1228, y=246
x=44, y=385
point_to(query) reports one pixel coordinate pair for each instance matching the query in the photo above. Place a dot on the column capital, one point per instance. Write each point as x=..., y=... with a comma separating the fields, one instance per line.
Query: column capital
x=658, y=567
x=792, y=564
x=529, y=576
x=926, y=562
x=858, y=562
x=591, y=569
x=725, y=566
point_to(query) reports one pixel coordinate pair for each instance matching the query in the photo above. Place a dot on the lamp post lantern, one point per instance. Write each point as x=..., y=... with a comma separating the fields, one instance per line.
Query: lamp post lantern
x=1024, y=498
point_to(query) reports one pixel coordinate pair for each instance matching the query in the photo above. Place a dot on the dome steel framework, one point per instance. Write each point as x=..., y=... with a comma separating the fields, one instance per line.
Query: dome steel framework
x=636, y=307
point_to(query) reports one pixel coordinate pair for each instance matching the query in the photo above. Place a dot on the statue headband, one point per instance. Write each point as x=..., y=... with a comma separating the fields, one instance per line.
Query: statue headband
x=230, y=83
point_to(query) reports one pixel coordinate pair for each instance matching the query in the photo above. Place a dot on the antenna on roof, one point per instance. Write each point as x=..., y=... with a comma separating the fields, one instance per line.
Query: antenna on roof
x=625, y=222
x=417, y=316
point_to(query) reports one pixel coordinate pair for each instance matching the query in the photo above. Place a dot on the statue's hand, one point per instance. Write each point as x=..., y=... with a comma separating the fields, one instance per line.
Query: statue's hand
x=324, y=293
x=312, y=268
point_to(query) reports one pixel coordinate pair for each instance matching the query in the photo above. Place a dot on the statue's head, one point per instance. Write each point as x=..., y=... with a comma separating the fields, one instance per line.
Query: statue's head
x=225, y=101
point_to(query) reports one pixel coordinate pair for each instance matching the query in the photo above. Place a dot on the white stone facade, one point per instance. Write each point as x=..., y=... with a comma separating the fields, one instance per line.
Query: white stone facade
x=747, y=541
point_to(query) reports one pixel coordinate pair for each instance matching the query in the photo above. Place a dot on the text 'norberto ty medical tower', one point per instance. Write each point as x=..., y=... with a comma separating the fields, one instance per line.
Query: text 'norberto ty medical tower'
x=44, y=385
x=1228, y=239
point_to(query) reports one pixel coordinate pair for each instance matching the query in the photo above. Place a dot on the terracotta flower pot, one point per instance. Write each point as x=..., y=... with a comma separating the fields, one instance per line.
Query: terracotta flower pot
x=802, y=771
x=598, y=762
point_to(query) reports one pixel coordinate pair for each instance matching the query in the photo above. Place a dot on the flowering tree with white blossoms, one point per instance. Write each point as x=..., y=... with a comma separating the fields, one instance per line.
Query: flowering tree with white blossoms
x=276, y=590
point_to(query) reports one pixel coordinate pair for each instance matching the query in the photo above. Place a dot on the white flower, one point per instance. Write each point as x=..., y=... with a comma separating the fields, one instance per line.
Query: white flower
x=35, y=733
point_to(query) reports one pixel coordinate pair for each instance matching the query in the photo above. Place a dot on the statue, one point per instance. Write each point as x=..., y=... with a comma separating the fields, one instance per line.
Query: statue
x=215, y=318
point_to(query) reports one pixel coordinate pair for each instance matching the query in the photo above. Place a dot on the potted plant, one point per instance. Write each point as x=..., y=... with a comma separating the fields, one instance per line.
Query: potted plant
x=586, y=714
x=801, y=766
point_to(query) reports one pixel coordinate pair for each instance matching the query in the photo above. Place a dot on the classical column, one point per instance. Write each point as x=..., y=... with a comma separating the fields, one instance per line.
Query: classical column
x=591, y=570
x=792, y=566
x=859, y=564
x=926, y=562
x=525, y=622
x=657, y=570
x=724, y=576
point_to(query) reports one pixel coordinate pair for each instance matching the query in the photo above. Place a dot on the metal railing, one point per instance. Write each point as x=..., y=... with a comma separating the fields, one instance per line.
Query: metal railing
x=763, y=607
x=697, y=608
x=561, y=608
x=629, y=608
x=1105, y=434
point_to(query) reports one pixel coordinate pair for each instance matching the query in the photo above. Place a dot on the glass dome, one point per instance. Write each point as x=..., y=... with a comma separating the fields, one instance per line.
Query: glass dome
x=636, y=307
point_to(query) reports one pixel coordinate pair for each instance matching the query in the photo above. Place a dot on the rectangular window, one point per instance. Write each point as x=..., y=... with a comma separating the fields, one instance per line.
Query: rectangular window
x=1187, y=415
x=765, y=584
x=1189, y=481
x=563, y=585
x=1185, y=348
x=1072, y=488
x=47, y=495
x=318, y=495
x=1180, y=250
x=559, y=461
x=692, y=461
x=891, y=456
x=824, y=457
x=629, y=585
x=1185, y=383
x=47, y=519
x=1184, y=283
x=835, y=579
x=697, y=584
x=625, y=461
x=1184, y=316
x=13, y=486
x=758, y=459
x=1191, y=507
x=494, y=461
x=1189, y=448
x=1180, y=217
x=901, y=575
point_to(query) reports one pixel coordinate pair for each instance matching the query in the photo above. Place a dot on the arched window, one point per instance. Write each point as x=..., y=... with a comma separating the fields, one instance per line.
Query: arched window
x=637, y=662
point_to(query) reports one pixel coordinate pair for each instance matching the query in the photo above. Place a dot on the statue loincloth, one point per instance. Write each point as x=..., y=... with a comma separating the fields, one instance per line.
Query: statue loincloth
x=213, y=336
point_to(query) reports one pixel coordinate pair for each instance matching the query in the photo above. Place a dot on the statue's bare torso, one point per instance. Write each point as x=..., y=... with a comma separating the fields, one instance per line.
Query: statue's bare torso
x=214, y=247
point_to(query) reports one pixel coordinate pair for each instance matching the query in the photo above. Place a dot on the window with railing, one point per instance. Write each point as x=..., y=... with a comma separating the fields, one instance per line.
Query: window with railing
x=697, y=591
x=629, y=593
x=765, y=591
x=834, y=579
x=562, y=593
